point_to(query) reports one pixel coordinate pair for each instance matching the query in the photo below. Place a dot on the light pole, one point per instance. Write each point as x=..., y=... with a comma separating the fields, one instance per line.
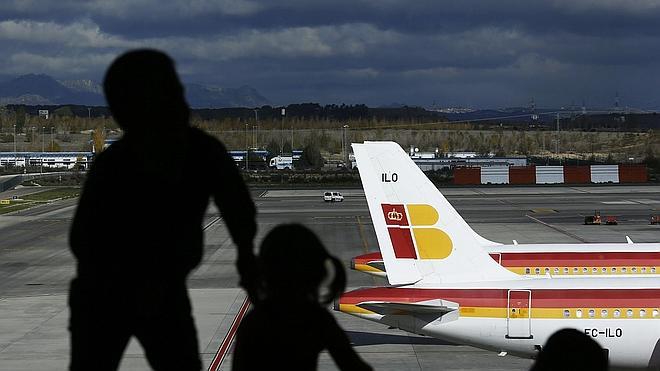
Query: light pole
x=256, y=128
x=345, y=127
x=15, y=159
x=52, y=139
x=33, y=140
x=291, y=138
x=43, y=137
x=282, y=132
x=558, y=136
x=247, y=149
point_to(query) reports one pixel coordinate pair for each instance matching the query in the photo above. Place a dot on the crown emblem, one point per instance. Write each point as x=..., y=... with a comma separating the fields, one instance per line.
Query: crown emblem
x=394, y=215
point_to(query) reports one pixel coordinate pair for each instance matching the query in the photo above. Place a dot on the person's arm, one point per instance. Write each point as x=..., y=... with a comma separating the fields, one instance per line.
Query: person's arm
x=81, y=232
x=339, y=346
x=239, y=213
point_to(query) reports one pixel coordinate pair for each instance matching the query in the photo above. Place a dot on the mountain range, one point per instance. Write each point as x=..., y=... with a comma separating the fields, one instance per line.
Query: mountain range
x=39, y=89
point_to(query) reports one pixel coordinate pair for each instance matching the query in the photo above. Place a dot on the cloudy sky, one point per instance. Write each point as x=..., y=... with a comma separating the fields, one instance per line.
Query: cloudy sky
x=454, y=53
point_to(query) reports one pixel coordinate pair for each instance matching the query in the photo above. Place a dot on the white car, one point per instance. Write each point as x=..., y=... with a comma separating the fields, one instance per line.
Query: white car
x=332, y=197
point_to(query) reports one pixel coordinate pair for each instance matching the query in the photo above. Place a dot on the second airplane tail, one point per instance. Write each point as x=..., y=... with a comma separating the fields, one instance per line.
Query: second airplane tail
x=422, y=238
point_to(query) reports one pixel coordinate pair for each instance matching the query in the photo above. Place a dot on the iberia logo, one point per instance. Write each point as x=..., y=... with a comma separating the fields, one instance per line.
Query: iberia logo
x=412, y=233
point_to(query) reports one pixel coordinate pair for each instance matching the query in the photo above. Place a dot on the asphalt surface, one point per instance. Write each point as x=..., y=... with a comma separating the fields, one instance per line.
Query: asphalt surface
x=36, y=267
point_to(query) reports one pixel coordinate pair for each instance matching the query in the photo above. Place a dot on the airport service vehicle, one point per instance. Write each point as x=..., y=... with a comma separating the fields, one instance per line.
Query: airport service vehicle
x=281, y=162
x=444, y=284
x=333, y=197
x=593, y=219
x=655, y=219
x=578, y=260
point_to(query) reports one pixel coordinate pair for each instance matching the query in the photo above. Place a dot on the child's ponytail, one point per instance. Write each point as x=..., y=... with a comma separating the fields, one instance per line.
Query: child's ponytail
x=338, y=283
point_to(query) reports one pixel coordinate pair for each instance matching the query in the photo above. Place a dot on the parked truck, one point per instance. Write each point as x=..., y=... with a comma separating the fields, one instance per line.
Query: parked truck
x=281, y=162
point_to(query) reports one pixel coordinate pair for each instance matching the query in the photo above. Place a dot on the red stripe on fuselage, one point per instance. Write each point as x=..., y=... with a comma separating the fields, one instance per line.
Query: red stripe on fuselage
x=556, y=259
x=541, y=298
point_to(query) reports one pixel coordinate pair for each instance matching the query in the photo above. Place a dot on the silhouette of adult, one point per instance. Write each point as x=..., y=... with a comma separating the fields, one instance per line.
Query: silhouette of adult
x=571, y=350
x=137, y=232
x=289, y=327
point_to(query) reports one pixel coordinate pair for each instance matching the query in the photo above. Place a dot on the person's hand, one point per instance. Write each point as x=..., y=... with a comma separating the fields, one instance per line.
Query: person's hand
x=246, y=264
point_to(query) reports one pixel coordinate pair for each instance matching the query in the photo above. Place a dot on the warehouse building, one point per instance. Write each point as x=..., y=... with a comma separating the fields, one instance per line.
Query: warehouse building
x=51, y=160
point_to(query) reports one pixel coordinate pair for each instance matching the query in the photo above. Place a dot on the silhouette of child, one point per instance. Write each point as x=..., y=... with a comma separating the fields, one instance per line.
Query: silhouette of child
x=289, y=326
x=569, y=349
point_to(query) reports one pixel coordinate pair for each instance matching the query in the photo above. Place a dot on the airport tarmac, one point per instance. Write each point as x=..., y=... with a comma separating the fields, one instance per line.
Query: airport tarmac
x=36, y=266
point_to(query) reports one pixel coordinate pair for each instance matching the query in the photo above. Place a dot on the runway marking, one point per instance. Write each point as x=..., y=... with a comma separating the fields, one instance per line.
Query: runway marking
x=229, y=338
x=365, y=247
x=217, y=218
x=543, y=211
x=647, y=202
x=361, y=230
x=569, y=234
x=263, y=194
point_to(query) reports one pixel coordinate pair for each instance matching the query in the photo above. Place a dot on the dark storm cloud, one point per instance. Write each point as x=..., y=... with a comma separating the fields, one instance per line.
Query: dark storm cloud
x=482, y=53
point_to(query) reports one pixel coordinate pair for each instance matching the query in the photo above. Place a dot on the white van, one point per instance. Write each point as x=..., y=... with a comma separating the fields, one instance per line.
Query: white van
x=332, y=197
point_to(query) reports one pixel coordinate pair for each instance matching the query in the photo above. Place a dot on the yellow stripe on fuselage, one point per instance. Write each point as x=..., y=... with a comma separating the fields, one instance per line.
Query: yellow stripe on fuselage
x=620, y=270
x=531, y=271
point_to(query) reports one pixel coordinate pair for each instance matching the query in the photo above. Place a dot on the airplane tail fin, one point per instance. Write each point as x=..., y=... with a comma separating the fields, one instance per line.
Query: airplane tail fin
x=421, y=236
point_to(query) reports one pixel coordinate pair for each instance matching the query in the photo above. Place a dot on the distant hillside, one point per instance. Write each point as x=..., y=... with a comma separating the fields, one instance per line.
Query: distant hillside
x=204, y=96
x=43, y=89
x=39, y=89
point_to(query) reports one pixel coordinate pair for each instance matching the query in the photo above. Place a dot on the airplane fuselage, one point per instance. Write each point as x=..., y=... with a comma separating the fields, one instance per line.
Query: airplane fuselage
x=519, y=316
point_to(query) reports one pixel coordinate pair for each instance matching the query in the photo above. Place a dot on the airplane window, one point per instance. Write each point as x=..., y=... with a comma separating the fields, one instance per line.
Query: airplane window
x=655, y=313
x=652, y=269
x=575, y=270
x=537, y=270
x=642, y=312
x=643, y=269
x=603, y=313
x=547, y=270
x=578, y=313
x=527, y=271
x=585, y=270
x=592, y=313
x=629, y=313
x=594, y=270
x=556, y=270
x=565, y=270
x=604, y=270
x=613, y=269
x=617, y=313
x=634, y=269
x=623, y=270
x=567, y=313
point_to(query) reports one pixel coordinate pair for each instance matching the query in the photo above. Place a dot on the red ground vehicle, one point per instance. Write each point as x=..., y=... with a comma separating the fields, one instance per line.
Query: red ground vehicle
x=611, y=220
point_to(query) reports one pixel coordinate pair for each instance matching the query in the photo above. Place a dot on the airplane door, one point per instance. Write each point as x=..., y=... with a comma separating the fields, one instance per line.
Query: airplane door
x=519, y=310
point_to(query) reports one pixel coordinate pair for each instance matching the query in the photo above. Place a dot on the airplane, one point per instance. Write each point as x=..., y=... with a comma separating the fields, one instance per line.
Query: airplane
x=444, y=284
x=577, y=259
